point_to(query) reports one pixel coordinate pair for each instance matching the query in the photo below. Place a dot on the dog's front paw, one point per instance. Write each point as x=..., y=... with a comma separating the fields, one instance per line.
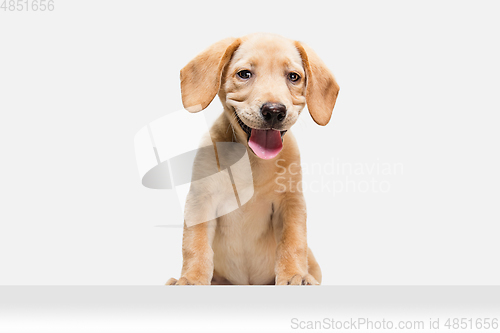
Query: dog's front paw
x=184, y=281
x=296, y=280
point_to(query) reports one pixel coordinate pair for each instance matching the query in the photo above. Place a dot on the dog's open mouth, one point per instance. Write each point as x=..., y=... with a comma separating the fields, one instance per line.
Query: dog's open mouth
x=266, y=144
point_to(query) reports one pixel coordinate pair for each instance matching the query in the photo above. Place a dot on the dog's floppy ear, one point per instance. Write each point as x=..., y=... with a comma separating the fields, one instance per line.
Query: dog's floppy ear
x=201, y=77
x=322, y=89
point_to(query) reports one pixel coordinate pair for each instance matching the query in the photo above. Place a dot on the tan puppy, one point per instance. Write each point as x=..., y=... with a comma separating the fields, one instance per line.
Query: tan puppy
x=263, y=82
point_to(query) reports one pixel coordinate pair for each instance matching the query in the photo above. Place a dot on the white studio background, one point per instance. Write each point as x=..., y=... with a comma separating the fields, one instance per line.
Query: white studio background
x=417, y=114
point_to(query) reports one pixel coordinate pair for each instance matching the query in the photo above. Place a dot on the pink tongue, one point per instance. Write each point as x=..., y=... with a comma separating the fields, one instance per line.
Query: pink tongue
x=265, y=143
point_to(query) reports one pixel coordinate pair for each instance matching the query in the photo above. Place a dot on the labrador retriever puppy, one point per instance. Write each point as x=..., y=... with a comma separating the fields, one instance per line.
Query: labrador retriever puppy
x=263, y=81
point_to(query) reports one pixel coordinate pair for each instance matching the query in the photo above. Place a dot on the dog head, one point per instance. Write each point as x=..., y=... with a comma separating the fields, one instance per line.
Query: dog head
x=264, y=81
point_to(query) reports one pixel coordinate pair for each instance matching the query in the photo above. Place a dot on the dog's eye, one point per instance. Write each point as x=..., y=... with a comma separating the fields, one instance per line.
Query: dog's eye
x=294, y=77
x=245, y=74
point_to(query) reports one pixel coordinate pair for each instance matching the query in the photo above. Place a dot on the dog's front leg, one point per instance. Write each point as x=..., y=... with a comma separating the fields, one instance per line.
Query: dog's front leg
x=289, y=224
x=197, y=254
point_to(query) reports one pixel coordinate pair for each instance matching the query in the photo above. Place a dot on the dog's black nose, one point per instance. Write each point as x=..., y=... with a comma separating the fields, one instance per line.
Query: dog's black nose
x=273, y=112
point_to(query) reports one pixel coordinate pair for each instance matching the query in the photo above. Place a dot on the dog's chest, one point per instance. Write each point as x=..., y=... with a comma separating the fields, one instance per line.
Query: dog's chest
x=244, y=244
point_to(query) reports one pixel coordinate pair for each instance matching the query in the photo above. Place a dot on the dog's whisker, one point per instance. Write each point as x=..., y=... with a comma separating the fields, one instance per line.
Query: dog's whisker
x=234, y=134
x=233, y=117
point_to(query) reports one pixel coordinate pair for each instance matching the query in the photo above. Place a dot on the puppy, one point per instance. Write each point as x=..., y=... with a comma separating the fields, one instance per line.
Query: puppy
x=263, y=81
